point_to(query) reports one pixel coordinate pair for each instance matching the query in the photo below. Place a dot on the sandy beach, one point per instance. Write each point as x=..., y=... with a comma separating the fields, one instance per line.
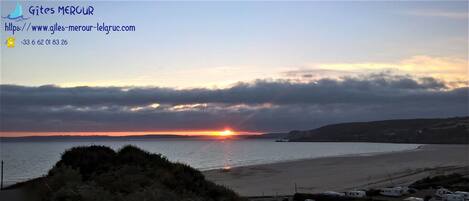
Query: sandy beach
x=345, y=172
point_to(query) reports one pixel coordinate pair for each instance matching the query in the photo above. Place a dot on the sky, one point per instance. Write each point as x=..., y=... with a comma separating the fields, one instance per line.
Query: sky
x=247, y=66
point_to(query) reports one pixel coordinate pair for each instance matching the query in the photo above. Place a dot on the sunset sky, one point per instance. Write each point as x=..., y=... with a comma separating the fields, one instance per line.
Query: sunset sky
x=248, y=66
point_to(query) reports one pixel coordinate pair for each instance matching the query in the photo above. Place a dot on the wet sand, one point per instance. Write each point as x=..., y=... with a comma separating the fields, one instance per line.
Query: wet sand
x=344, y=173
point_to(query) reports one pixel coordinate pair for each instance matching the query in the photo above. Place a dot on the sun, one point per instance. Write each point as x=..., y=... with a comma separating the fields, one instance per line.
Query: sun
x=226, y=132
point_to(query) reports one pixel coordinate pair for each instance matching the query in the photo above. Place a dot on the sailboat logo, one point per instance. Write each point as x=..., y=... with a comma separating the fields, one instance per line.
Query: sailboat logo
x=16, y=14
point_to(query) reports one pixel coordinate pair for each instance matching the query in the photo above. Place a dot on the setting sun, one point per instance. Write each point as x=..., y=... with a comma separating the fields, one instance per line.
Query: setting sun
x=225, y=133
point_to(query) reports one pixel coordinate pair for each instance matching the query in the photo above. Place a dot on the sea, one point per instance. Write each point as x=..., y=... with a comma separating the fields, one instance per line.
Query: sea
x=24, y=160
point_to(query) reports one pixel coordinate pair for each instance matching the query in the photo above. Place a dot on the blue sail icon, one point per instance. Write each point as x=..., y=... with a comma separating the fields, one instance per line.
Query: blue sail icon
x=16, y=14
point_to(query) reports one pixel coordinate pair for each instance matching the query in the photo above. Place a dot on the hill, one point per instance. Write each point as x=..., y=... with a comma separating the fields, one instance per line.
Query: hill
x=99, y=173
x=424, y=131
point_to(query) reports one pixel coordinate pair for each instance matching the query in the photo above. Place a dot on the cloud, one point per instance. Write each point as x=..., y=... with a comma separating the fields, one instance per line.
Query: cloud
x=452, y=70
x=449, y=69
x=262, y=105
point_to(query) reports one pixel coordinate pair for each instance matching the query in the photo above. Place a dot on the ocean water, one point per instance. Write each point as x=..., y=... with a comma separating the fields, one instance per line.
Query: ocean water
x=25, y=160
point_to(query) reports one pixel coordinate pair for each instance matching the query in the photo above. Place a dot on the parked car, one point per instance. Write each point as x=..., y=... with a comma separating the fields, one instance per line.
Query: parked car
x=442, y=191
x=333, y=193
x=453, y=197
x=413, y=199
x=355, y=194
x=463, y=193
x=395, y=191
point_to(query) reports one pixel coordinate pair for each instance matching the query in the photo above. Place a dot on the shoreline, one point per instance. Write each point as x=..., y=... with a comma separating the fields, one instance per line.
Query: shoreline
x=344, y=172
x=418, y=147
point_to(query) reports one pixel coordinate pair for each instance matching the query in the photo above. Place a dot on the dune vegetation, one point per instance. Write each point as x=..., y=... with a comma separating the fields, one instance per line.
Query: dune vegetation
x=96, y=173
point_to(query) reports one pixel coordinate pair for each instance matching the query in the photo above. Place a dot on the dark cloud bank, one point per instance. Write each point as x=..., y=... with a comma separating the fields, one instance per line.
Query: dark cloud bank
x=275, y=105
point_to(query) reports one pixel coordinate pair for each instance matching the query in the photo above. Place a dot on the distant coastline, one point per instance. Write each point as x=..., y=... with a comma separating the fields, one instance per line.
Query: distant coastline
x=409, y=131
x=416, y=131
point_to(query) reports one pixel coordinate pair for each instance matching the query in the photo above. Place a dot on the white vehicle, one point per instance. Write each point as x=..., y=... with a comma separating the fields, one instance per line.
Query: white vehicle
x=442, y=191
x=333, y=193
x=394, y=191
x=463, y=193
x=453, y=197
x=355, y=194
x=413, y=199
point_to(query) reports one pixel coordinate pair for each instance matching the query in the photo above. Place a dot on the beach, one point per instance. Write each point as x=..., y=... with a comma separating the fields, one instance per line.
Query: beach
x=344, y=172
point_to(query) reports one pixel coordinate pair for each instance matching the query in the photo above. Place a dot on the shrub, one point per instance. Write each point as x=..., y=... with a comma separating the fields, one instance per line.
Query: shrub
x=99, y=173
x=88, y=160
x=447, y=181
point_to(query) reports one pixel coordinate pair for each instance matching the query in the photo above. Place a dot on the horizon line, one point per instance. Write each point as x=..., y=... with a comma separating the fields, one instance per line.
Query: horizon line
x=10, y=134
